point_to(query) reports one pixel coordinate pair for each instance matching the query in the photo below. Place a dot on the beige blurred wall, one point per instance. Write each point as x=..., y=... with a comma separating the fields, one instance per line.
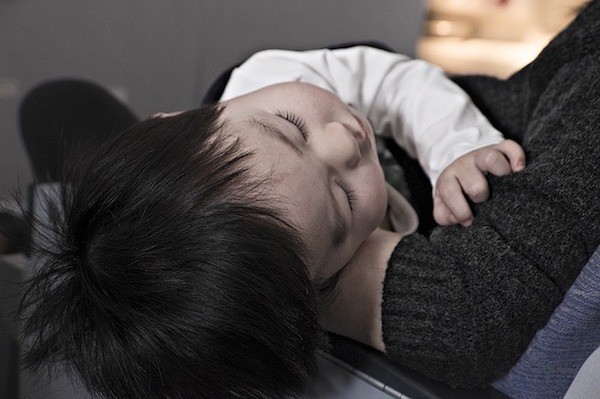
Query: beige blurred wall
x=495, y=37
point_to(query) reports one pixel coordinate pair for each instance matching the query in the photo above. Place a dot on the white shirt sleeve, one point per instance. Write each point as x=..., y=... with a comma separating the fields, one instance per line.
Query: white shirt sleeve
x=412, y=101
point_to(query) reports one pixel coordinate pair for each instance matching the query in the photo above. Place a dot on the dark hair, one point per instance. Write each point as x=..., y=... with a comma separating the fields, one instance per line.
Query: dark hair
x=170, y=276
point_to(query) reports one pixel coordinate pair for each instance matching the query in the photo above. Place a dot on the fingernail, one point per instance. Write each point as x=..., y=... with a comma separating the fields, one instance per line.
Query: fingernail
x=519, y=166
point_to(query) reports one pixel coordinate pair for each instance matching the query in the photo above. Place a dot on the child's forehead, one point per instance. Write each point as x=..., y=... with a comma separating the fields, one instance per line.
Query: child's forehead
x=263, y=158
x=254, y=127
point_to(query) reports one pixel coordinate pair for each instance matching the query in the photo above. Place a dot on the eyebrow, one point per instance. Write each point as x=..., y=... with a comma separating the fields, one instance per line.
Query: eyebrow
x=265, y=126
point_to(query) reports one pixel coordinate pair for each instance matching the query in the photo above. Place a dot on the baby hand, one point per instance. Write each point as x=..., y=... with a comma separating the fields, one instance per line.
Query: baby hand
x=466, y=175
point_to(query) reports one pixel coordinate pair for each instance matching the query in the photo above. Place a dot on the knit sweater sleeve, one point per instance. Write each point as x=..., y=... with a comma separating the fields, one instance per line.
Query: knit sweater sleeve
x=462, y=305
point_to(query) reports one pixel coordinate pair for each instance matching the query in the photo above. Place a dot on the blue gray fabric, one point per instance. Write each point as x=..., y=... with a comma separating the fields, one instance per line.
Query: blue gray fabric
x=557, y=352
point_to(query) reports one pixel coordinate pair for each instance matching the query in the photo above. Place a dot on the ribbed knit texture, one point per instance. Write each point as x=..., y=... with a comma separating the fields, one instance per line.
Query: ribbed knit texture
x=462, y=306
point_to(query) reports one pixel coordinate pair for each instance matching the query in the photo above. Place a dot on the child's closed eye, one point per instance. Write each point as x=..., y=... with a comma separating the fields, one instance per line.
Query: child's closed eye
x=295, y=120
x=350, y=194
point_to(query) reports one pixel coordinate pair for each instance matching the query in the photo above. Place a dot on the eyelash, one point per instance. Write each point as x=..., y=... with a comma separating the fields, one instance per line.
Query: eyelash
x=350, y=194
x=296, y=121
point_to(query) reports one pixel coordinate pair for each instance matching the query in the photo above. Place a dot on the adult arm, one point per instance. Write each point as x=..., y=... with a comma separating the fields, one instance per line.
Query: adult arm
x=462, y=306
x=410, y=100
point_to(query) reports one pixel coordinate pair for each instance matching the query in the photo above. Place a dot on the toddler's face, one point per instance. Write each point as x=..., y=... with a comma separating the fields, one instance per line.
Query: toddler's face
x=322, y=163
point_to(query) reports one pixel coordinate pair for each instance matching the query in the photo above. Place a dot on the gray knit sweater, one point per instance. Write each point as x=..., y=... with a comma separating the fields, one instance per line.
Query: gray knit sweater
x=462, y=305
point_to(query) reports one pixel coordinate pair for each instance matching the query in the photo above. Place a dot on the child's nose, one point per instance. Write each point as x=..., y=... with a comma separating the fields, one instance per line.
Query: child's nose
x=340, y=147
